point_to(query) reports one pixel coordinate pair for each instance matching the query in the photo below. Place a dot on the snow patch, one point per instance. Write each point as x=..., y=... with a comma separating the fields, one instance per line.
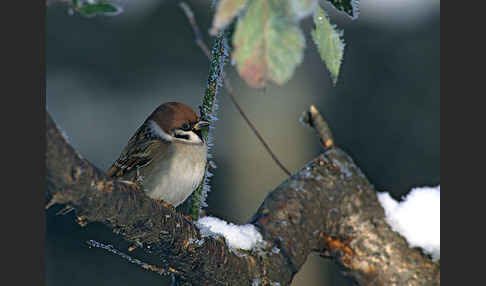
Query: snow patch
x=417, y=218
x=244, y=237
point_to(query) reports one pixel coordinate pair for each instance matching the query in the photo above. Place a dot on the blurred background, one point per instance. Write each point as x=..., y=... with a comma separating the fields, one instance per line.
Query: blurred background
x=106, y=74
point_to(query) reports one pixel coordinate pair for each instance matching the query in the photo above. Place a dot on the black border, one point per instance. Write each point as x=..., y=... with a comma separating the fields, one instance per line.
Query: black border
x=24, y=141
x=42, y=111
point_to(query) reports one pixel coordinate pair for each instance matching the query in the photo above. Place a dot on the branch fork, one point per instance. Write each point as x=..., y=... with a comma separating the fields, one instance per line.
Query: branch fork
x=319, y=208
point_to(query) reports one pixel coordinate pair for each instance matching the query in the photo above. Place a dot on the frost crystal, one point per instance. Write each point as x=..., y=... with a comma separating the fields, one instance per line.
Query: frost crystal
x=417, y=218
x=344, y=168
x=66, y=137
x=212, y=164
x=244, y=237
x=275, y=250
x=64, y=134
x=304, y=119
x=355, y=4
x=196, y=241
x=218, y=77
x=110, y=248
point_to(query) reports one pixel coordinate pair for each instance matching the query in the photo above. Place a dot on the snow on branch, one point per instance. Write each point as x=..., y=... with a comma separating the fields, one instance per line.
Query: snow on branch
x=328, y=207
x=417, y=218
x=244, y=237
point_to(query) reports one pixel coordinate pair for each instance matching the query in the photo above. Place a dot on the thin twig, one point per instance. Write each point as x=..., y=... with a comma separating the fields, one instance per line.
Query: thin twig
x=128, y=258
x=161, y=271
x=197, y=33
x=229, y=90
x=315, y=120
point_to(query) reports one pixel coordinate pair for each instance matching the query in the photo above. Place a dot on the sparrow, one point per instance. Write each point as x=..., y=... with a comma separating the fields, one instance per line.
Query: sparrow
x=167, y=154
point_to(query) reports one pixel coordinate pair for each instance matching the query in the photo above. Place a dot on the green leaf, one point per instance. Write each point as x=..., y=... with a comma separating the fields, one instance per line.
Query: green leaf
x=329, y=43
x=225, y=12
x=268, y=44
x=99, y=8
x=350, y=7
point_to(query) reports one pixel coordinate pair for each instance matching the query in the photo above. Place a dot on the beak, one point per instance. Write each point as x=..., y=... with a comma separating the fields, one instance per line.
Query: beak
x=200, y=125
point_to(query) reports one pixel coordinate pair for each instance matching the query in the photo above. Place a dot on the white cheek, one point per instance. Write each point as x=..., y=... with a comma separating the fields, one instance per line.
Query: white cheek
x=158, y=131
x=193, y=138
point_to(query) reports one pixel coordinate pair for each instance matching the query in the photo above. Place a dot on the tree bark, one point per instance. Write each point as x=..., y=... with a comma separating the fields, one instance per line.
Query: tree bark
x=327, y=207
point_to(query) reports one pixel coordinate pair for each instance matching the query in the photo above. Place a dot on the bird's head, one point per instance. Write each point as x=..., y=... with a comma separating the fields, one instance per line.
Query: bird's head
x=176, y=121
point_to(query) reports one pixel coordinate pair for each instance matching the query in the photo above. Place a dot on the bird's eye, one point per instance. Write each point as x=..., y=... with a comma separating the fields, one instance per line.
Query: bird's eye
x=186, y=126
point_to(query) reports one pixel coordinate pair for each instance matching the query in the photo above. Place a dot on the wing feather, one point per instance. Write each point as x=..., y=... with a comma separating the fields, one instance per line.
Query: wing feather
x=140, y=150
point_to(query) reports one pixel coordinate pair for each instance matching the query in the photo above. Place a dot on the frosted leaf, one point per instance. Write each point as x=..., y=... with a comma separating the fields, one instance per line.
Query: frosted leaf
x=268, y=44
x=329, y=43
x=225, y=13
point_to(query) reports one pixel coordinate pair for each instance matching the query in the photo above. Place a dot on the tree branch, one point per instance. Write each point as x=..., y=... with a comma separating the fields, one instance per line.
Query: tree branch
x=208, y=110
x=328, y=206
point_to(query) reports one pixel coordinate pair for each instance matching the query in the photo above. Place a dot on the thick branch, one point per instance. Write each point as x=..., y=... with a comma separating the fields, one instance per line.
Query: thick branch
x=137, y=218
x=328, y=207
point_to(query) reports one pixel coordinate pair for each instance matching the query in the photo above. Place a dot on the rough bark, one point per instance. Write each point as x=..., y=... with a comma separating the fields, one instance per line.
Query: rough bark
x=327, y=207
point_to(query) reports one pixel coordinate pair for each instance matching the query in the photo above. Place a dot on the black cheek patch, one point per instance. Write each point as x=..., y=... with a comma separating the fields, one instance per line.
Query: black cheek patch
x=199, y=134
x=182, y=136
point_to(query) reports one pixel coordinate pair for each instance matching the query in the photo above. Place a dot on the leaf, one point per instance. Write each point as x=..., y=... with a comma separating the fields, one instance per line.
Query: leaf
x=329, y=43
x=225, y=12
x=268, y=44
x=105, y=8
x=350, y=7
x=303, y=8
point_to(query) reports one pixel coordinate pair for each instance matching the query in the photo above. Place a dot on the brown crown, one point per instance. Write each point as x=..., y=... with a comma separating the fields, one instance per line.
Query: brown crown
x=171, y=115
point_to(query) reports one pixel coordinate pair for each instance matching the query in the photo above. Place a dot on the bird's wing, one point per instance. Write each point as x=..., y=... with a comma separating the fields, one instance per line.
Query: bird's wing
x=140, y=150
